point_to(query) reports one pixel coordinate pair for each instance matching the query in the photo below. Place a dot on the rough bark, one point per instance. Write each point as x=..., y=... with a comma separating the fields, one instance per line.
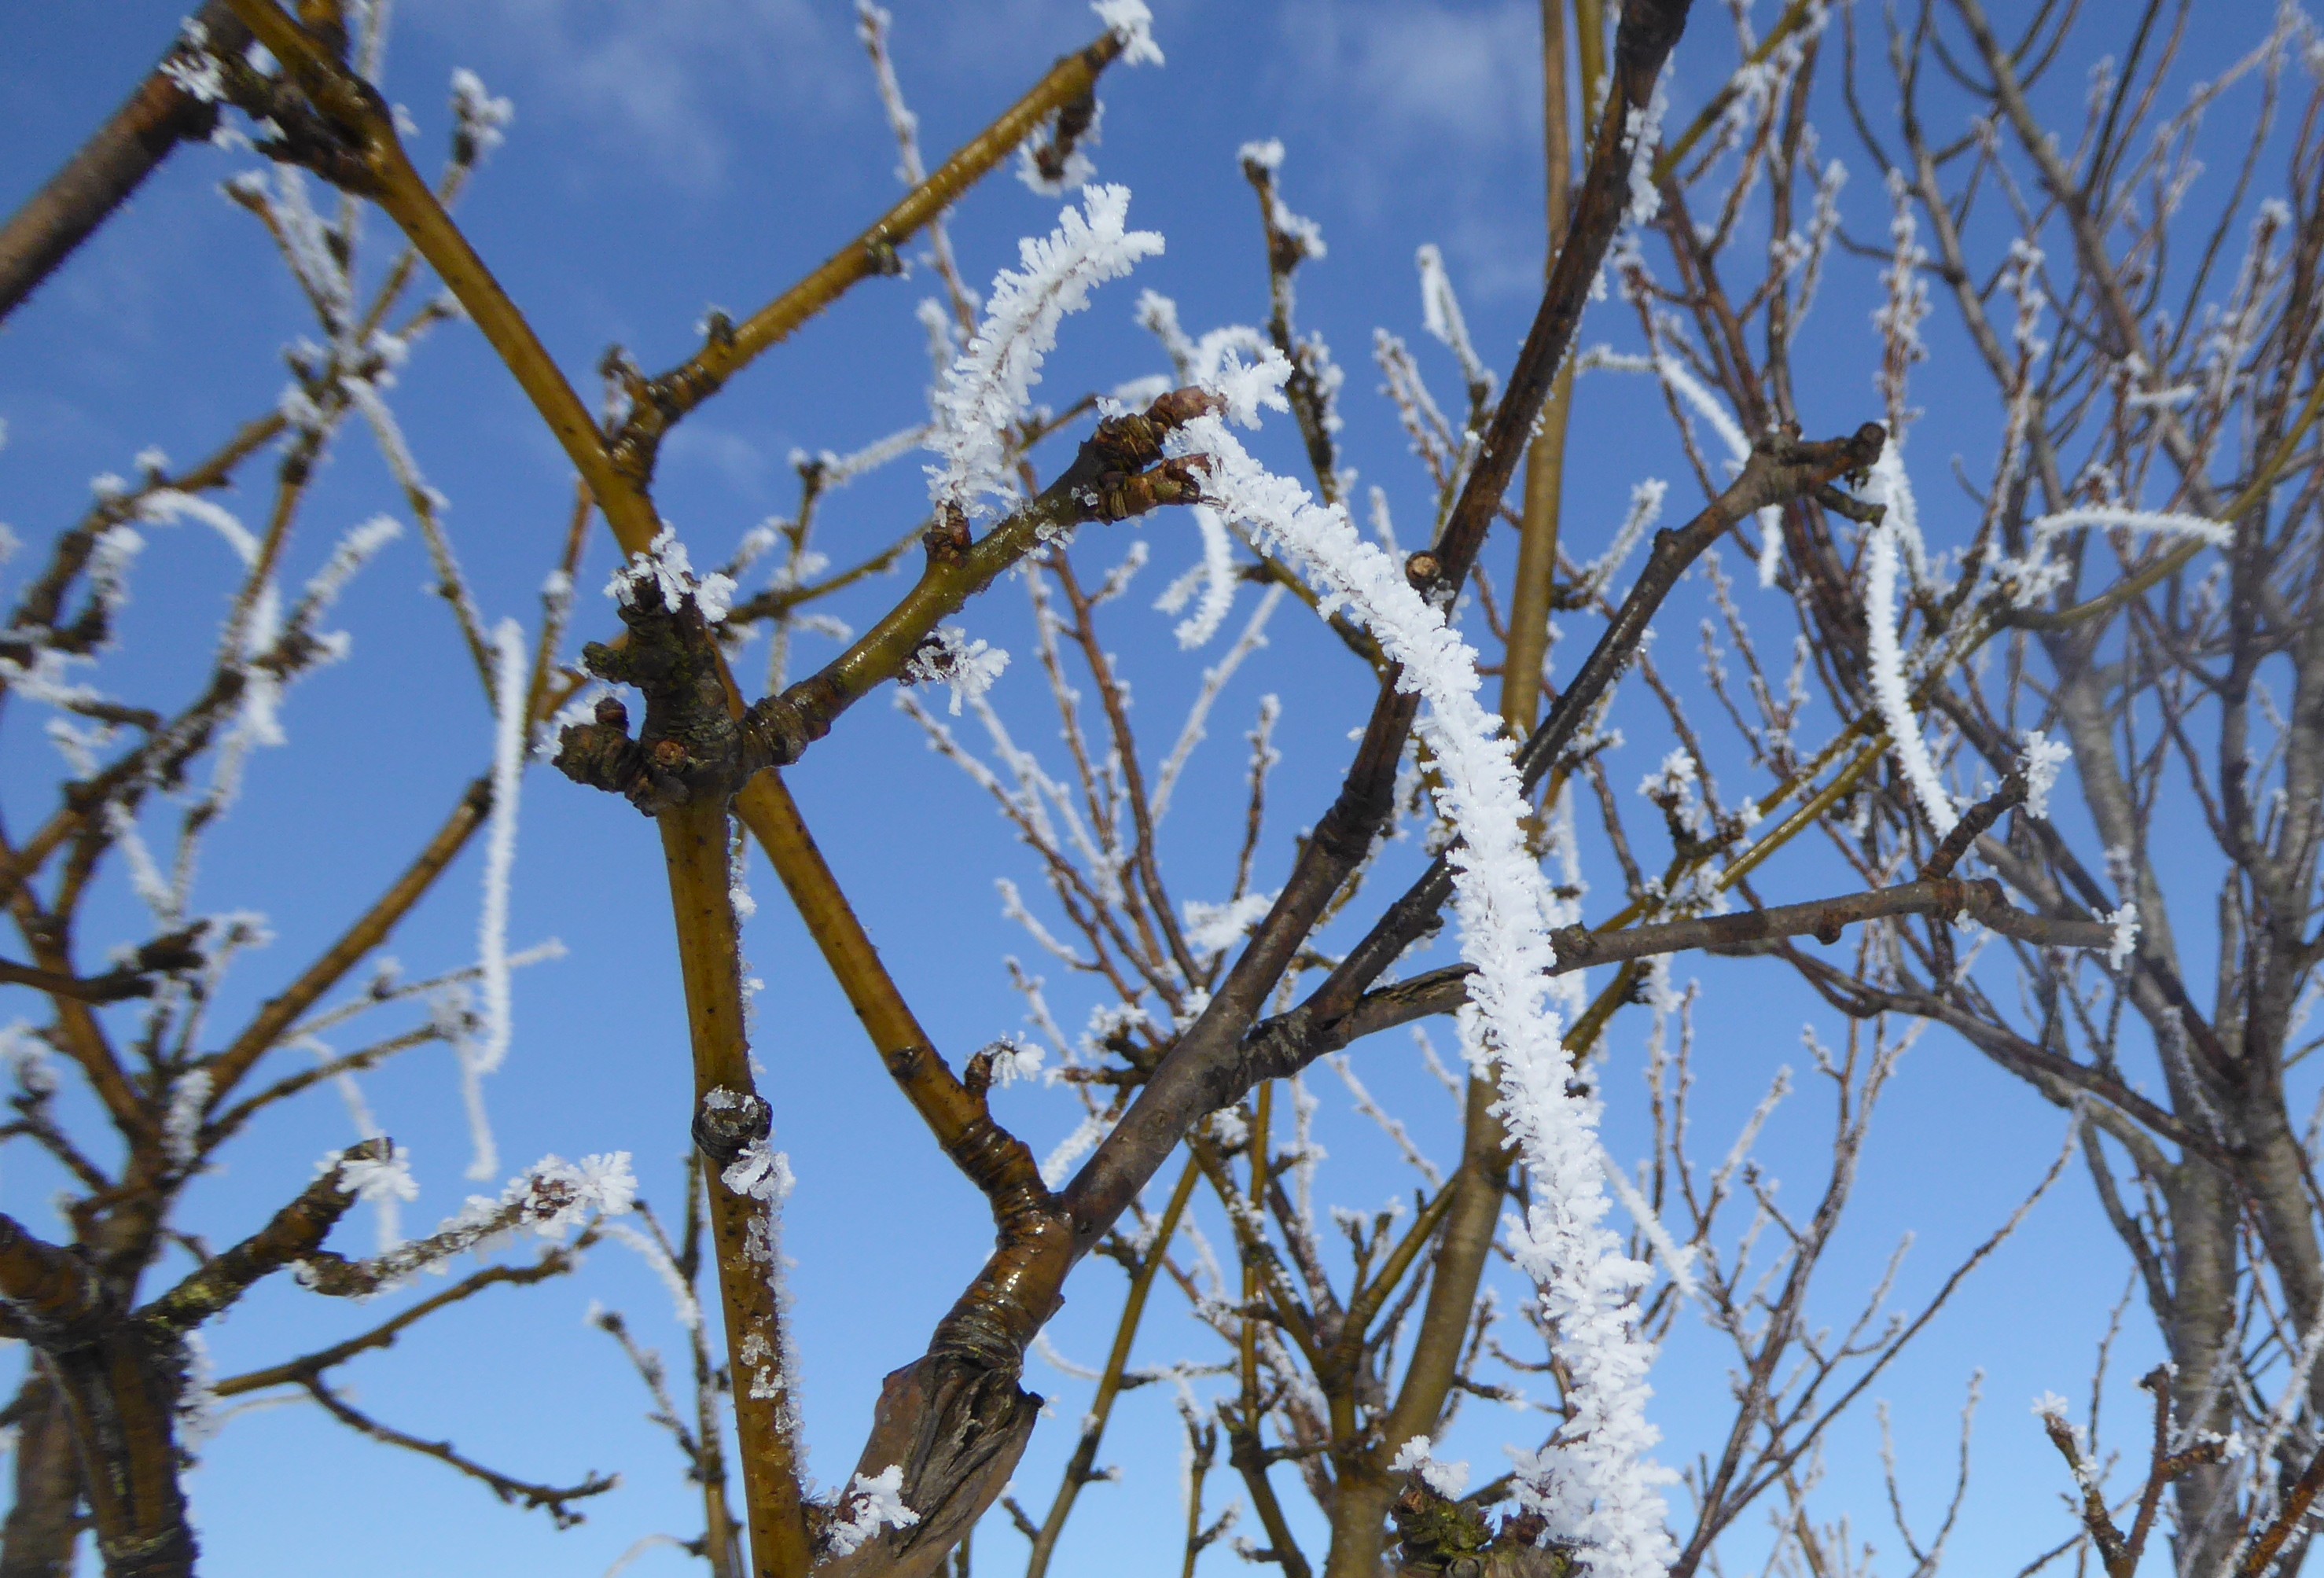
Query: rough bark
x=42, y=1526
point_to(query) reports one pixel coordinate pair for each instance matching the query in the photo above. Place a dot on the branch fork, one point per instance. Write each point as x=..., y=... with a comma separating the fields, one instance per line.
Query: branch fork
x=692, y=749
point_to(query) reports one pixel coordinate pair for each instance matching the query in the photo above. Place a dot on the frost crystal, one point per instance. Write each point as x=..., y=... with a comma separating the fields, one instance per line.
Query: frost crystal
x=2037, y=574
x=2125, y=922
x=480, y=116
x=761, y=1173
x=1214, y=573
x=550, y=1197
x=1439, y=315
x=1133, y=25
x=1418, y=1455
x=512, y=697
x=1594, y=1485
x=1886, y=649
x=380, y=1181
x=666, y=564
x=874, y=1504
x=1213, y=928
x=951, y=658
x=198, y=1411
x=987, y=386
x=181, y=1126
x=2040, y=762
x=602, y=1183
x=195, y=71
x=1014, y=1058
x=1642, y=131
x=1074, y=1147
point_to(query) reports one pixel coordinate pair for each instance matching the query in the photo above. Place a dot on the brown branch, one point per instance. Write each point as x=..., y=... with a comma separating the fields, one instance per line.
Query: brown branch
x=1273, y=1043
x=372, y=929
x=554, y=1261
x=1537, y=571
x=730, y=1117
x=1973, y=825
x=113, y=163
x=1781, y=468
x=1080, y=1469
x=121, y=1377
x=46, y=1288
x=2095, y=1519
x=548, y=1195
x=554, y=1499
x=113, y=986
x=658, y=403
x=2262, y=1553
x=296, y=1231
x=1310, y=403
x=688, y=746
x=1200, y=1075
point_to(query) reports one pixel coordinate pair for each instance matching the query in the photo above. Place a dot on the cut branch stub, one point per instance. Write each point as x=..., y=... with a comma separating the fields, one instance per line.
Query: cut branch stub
x=1440, y=1538
x=690, y=747
x=957, y=1430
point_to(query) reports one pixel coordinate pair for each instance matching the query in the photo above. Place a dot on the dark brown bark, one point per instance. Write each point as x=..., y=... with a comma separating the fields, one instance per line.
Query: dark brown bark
x=109, y=167
x=42, y=1526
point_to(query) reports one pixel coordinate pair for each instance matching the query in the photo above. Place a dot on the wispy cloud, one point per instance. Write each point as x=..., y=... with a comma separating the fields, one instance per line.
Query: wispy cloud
x=1432, y=110
x=661, y=80
x=1442, y=77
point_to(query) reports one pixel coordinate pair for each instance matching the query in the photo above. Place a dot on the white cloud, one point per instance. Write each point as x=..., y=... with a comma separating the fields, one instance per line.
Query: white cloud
x=1424, y=75
x=662, y=79
x=1432, y=113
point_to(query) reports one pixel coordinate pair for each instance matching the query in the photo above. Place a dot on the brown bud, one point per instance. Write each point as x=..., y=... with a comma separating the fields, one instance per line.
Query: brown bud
x=1181, y=406
x=1423, y=569
x=612, y=713
x=947, y=537
x=669, y=755
x=728, y=1123
x=977, y=1077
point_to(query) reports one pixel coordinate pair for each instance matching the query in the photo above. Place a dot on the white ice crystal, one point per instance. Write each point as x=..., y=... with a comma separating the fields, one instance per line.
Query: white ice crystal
x=1418, y=1455
x=666, y=564
x=380, y=1179
x=2040, y=761
x=951, y=658
x=2125, y=922
x=1133, y=25
x=987, y=387
x=872, y=1503
x=1594, y=1485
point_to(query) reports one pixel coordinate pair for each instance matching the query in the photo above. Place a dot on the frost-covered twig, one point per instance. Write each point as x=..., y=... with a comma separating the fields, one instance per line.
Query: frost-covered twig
x=986, y=389
x=548, y=1198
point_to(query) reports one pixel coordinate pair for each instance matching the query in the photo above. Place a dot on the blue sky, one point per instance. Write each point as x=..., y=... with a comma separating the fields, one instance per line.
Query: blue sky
x=667, y=157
